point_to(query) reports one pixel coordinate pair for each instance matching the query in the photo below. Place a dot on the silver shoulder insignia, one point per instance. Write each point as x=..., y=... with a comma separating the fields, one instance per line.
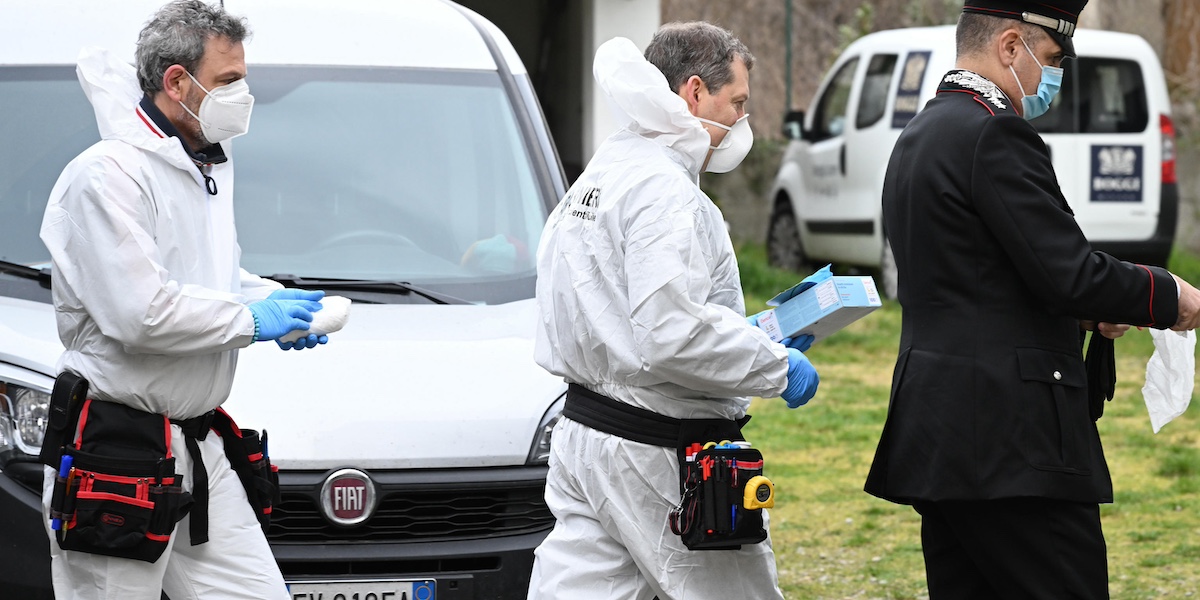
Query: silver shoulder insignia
x=978, y=83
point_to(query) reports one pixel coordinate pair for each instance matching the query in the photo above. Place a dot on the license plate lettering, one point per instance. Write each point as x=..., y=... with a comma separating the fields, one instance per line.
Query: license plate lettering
x=363, y=590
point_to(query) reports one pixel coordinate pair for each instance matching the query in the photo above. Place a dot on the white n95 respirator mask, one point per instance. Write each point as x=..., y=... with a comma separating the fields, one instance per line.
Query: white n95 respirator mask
x=729, y=153
x=224, y=112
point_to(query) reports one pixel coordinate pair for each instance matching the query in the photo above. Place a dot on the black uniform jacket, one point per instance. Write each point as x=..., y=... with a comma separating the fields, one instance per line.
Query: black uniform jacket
x=989, y=394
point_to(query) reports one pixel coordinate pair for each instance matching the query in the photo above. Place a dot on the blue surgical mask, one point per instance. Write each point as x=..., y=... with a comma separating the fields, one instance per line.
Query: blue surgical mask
x=1033, y=107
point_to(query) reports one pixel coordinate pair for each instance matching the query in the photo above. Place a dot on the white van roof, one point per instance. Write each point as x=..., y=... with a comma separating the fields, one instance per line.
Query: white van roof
x=1088, y=42
x=412, y=33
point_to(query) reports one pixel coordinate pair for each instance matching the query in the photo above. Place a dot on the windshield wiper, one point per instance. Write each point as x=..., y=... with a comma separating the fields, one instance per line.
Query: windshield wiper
x=402, y=287
x=42, y=276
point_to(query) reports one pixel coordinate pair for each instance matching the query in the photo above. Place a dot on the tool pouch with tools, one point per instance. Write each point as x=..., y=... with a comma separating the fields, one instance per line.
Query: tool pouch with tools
x=117, y=493
x=247, y=454
x=722, y=488
x=714, y=512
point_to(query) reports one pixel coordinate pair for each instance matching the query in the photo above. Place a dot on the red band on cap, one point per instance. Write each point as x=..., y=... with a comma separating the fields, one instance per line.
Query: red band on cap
x=1059, y=10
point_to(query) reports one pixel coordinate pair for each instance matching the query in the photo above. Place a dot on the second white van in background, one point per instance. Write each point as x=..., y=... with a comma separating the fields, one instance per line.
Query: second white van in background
x=1109, y=132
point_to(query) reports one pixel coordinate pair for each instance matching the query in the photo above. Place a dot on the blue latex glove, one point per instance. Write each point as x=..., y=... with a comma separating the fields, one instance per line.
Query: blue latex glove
x=753, y=319
x=802, y=379
x=311, y=341
x=296, y=294
x=277, y=318
x=800, y=342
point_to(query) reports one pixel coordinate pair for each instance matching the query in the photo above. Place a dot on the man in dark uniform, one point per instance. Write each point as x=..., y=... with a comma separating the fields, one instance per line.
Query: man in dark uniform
x=990, y=434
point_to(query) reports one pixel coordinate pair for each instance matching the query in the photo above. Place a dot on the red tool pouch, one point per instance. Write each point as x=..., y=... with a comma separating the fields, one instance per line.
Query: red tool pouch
x=121, y=496
x=247, y=454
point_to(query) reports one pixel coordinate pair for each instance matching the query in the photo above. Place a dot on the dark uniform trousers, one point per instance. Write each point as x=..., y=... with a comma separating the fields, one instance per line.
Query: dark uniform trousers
x=989, y=431
x=1013, y=549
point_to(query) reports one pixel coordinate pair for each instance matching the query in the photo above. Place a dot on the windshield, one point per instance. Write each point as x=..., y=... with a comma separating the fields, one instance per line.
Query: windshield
x=347, y=173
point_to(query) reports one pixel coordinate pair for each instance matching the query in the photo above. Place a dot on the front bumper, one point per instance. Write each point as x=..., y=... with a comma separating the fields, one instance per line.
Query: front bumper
x=24, y=545
x=472, y=530
x=467, y=562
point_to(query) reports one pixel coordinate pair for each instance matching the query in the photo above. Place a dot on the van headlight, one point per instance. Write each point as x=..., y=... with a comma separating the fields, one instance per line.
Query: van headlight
x=539, y=454
x=24, y=412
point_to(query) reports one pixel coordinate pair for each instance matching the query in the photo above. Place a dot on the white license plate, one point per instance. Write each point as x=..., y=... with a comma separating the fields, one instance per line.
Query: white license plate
x=420, y=589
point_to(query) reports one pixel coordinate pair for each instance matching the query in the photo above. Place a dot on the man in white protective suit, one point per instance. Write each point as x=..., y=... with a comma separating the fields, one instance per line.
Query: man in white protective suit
x=152, y=308
x=641, y=311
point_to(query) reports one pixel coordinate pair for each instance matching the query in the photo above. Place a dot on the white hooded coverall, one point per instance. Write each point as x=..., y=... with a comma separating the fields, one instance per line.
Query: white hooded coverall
x=151, y=307
x=640, y=300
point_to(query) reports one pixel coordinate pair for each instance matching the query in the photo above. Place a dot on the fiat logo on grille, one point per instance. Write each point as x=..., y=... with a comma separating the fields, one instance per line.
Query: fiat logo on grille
x=348, y=497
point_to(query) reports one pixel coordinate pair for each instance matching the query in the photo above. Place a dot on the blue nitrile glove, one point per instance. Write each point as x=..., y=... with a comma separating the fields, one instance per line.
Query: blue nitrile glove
x=296, y=294
x=274, y=319
x=800, y=342
x=802, y=379
x=310, y=341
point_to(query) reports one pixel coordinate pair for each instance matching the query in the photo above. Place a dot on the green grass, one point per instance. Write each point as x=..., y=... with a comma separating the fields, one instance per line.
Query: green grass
x=834, y=541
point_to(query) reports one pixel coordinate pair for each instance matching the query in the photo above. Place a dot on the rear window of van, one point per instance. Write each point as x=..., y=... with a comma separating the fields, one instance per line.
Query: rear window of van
x=1099, y=95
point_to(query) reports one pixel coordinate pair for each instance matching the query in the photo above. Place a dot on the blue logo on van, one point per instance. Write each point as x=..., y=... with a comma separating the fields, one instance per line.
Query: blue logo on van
x=1116, y=174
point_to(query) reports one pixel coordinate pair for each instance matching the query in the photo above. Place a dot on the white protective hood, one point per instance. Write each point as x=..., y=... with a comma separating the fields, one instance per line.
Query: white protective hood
x=641, y=100
x=111, y=86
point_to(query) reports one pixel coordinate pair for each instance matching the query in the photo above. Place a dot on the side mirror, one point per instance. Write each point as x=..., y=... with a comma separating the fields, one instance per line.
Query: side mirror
x=793, y=125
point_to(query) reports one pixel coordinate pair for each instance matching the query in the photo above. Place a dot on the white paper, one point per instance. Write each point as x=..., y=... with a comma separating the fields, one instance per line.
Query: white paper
x=1170, y=376
x=335, y=311
x=827, y=294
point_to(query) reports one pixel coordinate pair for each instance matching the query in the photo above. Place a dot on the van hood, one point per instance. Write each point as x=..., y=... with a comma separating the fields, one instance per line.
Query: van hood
x=401, y=387
x=29, y=335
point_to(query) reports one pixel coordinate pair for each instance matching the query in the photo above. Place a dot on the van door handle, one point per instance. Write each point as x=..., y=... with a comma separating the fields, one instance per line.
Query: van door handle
x=842, y=159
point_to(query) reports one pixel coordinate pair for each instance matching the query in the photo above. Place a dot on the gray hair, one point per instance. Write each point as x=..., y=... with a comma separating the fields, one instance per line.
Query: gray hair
x=176, y=35
x=976, y=31
x=681, y=50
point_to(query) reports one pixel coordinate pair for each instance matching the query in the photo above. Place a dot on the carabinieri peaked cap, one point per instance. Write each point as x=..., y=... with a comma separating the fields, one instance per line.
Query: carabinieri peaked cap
x=1058, y=17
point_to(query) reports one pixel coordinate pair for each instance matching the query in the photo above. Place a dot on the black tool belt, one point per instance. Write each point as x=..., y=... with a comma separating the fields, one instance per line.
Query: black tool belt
x=121, y=459
x=195, y=430
x=715, y=511
x=247, y=456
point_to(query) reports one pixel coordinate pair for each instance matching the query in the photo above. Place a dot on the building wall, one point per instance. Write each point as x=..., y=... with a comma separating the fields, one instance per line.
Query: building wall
x=821, y=28
x=604, y=20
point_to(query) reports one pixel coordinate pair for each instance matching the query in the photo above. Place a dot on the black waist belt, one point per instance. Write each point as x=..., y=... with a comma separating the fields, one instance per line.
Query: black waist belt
x=195, y=430
x=624, y=420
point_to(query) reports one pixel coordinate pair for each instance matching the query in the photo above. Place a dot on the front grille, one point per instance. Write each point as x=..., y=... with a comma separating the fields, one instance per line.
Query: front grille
x=387, y=568
x=408, y=512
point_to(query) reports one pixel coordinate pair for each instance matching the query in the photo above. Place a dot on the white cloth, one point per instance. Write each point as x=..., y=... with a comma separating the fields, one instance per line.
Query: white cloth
x=235, y=563
x=335, y=311
x=149, y=297
x=1170, y=376
x=639, y=299
x=611, y=540
x=639, y=295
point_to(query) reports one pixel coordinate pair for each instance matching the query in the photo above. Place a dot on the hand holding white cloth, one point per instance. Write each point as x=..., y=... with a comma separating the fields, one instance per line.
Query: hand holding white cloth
x=335, y=311
x=1170, y=376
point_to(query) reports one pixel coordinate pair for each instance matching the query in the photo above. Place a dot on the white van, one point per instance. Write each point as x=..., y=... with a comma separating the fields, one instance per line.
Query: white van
x=1109, y=132
x=387, y=139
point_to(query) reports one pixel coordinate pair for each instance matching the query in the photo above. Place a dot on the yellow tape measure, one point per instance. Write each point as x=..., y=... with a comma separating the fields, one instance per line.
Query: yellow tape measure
x=760, y=493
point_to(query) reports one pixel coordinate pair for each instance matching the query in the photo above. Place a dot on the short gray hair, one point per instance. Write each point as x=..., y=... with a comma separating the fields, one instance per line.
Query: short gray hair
x=176, y=35
x=976, y=31
x=681, y=50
